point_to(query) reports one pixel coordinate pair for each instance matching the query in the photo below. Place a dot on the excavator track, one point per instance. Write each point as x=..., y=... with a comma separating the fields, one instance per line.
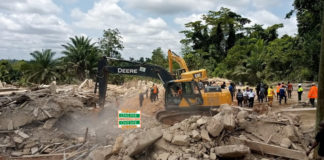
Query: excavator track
x=171, y=117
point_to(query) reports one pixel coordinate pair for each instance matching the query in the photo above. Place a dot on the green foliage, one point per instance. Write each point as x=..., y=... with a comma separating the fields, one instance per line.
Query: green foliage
x=111, y=43
x=42, y=69
x=158, y=58
x=81, y=58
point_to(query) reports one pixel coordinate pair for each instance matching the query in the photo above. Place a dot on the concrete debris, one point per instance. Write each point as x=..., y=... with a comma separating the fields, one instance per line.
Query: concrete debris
x=201, y=121
x=17, y=139
x=204, y=135
x=181, y=140
x=144, y=140
x=100, y=153
x=167, y=136
x=49, y=123
x=232, y=151
x=285, y=142
x=22, y=134
x=163, y=156
x=118, y=145
x=215, y=126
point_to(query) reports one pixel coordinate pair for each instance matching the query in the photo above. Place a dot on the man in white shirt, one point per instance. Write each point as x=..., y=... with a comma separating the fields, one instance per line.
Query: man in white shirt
x=251, y=98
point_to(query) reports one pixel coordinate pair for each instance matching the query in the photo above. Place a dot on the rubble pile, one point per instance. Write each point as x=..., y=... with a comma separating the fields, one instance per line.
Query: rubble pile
x=232, y=133
x=27, y=123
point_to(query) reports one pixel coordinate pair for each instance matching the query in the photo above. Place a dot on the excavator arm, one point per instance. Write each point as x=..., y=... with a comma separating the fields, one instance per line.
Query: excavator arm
x=174, y=57
x=134, y=68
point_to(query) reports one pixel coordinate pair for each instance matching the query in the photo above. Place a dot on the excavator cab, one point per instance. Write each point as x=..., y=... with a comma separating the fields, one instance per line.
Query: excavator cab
x=182, y=94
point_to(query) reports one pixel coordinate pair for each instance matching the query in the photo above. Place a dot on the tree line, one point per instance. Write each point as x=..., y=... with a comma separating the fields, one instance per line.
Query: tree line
x=221, y=41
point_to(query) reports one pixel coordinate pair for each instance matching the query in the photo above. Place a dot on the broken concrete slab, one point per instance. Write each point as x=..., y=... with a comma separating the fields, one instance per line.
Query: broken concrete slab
x=290, y=133
x=181, y=140
x=49, y=123
x=100, y=153
x=17, y=139
x=285, y=142
x=226, y=108
x=34, y=150
x=22, y=134
x=167, y=136
x=273, y=150
x=215, y=126
x=195, y=135
x=16, y=154
x=232, y=151
x=118, y=145
x=242, y=115
x=201, y=121
x=229, y=121
x=163, y=156
x=204, y=135
x=144, y=140
x=212, y=156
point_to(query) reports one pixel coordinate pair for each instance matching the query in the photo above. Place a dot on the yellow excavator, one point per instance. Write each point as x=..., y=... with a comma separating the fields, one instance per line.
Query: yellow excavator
x=183, y=72
x=183, y=95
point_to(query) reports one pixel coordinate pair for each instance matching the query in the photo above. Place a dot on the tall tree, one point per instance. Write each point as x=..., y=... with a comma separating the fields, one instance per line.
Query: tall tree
x=42, y=68
x=158, y=58
x=111, y=43
x=82, y=56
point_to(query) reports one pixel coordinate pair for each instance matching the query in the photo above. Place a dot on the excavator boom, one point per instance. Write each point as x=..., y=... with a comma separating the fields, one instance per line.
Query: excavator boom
x=174, y=57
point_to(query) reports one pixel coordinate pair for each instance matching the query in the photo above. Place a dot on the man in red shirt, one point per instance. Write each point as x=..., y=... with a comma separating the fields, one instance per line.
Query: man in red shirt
x=290, y=89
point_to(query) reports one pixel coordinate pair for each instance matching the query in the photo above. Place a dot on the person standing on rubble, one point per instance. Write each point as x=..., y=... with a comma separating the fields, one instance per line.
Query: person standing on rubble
x=141, y=98
x=251, y=98
x=152, y=94
x=231, y=89
x=282, y=94
x=261, y=94
x=266, y=87
x=278, y=89
x=258, y=87
x=312, y=94
x=270, y=95
x=300, y=92
x=319, y=140
x=245, y=96
x=239, y=97
x=290, y=89
x=223, y=86
x=156, y=92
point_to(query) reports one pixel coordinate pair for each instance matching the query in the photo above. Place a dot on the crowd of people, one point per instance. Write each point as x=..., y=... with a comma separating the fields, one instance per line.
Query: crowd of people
x=154, y=94
x=265, y=93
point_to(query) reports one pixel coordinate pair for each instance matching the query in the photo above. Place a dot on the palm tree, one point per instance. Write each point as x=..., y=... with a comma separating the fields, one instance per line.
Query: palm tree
x=42, y=68
x=82, y=56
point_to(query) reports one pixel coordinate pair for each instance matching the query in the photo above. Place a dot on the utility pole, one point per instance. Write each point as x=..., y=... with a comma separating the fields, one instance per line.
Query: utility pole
x=320, y=99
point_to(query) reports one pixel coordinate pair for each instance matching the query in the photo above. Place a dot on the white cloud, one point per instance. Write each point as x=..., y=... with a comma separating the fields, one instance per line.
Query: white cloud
x=104, y=14
x=266, y=3
x=183, y=20
x=263, y=17
x=30, y=6
x=290, y=26
x=140, y=35
x=267, y=19
x=30, y=25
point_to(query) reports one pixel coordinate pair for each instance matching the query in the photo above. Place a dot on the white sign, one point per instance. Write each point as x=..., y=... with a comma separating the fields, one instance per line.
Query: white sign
x=142, y=69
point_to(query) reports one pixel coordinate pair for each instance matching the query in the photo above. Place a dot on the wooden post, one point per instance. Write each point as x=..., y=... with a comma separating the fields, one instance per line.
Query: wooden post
x=320, y=99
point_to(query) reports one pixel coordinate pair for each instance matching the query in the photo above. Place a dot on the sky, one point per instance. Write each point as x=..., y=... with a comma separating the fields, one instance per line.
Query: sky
x=29, y=25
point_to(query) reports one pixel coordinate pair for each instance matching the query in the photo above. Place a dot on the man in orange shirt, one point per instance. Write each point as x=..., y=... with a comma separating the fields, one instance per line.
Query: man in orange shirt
x=312, y=94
